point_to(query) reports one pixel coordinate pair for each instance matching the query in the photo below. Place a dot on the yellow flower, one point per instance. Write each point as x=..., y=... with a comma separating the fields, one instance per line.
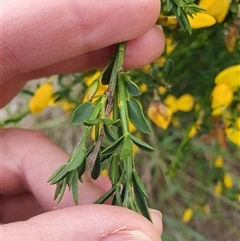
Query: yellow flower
x=222, y=96
x=185, y=103
x=193, y=131
x=89, y=79
x=104, y=173
x=229, y=76
x=170, y=45
x=132, y=127
x=218, y=163
x=162, y=90
x=41, y=98
x=171, y=102
x=216, y=8
x=143, y=88
x=218, y=189
x=146, y=68
x=238, y=197
x=227, y=180
x=176, y=122
x=233, y=135
x=201, y=20
x=160, y=61
x=187, y=215
x=160, y=114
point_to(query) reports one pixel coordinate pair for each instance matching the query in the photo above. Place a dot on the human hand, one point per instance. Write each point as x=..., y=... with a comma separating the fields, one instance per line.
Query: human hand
x=44, y=38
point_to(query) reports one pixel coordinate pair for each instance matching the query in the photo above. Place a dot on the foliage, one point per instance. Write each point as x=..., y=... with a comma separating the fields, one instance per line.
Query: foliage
x=189, y=97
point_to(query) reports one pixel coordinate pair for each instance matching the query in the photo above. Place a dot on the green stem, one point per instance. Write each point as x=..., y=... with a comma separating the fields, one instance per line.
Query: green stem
x=123, y=106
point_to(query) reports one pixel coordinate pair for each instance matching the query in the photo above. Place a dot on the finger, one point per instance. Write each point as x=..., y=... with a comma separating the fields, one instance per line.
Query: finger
x=87, y=223
x=18, y=207
x=26, y=166
x=139, y=52
x=41, y=33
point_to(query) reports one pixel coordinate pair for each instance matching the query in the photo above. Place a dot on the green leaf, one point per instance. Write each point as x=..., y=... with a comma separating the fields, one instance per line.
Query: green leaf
x=132, y=87
x=56, y=173
x=112, y=147
x=137, y=117
x=141, y=144
x=168, y=69
x=76, y=160
x=141, y=201
x=75, y=186
x=58, y=189
x=82, y=112
x=108, y=132
x=62, y=174
x=114, y=169
x=117, y=196
x=127, y=147
x=81, y=169
x=109, y=122
x=107, y=73
x=140, y=184
x=92, y=122
x=97, y=168
x=63, y=188
x=106, y=196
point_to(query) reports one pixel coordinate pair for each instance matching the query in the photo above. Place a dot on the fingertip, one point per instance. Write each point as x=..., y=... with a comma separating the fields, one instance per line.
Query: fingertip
x=145, y=49
x=157, y=220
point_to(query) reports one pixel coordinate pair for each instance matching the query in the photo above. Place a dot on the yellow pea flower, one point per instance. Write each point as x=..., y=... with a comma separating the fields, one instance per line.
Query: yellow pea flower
x=170, y=45
x=89, y=79
x=146, y=68
x=187, y=215
x=160, y=114
x=41, y=98
x=201, y=20
x=104, y=173
x=222, y=96
x=171, y=102
x=162, y=90
x=193, y=131
x=216, y=8
x=185, y=103
x=132, y=127
x=143, y=88
x=218, y=163
x=227, y=180
x=229, y=76
x=218, y=189
x=233, y=135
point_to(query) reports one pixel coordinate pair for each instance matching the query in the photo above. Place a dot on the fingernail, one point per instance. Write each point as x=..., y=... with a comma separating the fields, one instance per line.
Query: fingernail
x=159, y=27
x=127, y=236
x=156, y=213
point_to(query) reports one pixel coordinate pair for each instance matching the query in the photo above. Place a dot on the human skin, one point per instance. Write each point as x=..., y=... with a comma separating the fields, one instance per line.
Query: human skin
x=42, y=38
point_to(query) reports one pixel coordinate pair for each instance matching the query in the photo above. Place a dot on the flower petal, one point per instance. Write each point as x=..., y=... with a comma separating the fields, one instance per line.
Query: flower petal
x=201, y=20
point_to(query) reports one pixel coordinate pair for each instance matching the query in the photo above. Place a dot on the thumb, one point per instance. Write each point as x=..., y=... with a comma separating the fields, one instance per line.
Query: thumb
x=85, y=223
